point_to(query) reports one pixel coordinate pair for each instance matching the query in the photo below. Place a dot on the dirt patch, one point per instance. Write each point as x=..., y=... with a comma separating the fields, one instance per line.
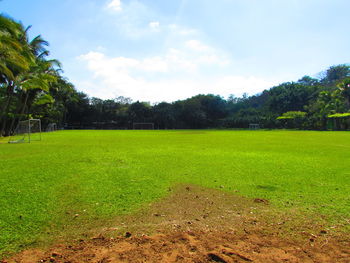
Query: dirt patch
x=196, y=224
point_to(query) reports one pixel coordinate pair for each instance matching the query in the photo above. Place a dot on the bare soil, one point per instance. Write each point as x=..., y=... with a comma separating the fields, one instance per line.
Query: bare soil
x=195, y=224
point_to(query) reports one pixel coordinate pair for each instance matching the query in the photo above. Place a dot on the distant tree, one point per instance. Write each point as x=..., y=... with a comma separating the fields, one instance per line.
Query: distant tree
x=328, y=102
x=140, y=112
x=123, y=100
x=232, y=99
x=336, y=73
x=192, y=113
x=215, y=108
x=344, y=87
x=308, y=81
x=79, y=110
x=64, y=94
x=164, y=115
x=290, y=96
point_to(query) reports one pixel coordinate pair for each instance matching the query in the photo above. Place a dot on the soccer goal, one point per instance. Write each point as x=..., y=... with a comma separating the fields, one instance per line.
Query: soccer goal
x=27, y=131
x=143, y=126
x=254, y=126
x=51, y=127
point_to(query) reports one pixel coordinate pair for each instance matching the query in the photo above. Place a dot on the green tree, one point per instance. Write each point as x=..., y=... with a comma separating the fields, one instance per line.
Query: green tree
x=16, y=59
x=336, y=73
x=344, y=87
x=26, y=76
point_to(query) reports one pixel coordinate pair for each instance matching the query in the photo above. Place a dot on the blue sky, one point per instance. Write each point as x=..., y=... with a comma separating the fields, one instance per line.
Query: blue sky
x=164, y=50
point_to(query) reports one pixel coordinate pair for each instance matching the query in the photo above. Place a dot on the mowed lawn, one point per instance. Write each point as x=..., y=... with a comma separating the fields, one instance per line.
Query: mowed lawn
x=80, y=178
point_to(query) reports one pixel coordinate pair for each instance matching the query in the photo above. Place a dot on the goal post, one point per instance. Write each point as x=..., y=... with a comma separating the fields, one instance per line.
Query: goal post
x=254, y=126
x=143, y=126
x=51, y=127
x=27, y=131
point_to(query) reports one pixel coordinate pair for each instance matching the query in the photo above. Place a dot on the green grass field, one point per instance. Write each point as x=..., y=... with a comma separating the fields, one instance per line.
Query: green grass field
x=102, y=174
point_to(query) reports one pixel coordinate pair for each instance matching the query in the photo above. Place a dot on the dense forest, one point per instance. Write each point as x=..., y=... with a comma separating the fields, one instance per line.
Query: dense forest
x=32, y=86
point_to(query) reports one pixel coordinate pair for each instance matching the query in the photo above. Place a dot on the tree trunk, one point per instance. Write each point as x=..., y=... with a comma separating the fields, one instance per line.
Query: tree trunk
x=3, y=118
x=4, y=111
x=18, y=110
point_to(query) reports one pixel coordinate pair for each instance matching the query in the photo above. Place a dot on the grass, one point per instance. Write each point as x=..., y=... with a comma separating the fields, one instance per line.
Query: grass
x=77, y=179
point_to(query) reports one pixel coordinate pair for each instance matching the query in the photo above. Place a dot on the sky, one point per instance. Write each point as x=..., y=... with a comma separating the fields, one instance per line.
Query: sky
x=165, y=50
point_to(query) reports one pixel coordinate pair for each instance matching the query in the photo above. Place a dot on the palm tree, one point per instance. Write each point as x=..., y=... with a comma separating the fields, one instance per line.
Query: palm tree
x=15, y=59
x=344, y=86
x=35, y=84
x=11, y=56
x=25, y=72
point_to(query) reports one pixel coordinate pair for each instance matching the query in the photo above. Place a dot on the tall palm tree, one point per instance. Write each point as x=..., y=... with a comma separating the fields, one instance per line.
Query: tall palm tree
x=37, y=81
x=15, y=58
x=24, y=70
x=11, y=56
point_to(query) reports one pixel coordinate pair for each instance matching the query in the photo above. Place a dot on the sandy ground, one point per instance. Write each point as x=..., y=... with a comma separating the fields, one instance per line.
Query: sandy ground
x=195, y=224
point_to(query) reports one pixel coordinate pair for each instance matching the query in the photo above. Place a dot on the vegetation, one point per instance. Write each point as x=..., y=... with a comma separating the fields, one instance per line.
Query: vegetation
x=30, y=83
x=307, y=104
x=74, y=180
x=31, y=86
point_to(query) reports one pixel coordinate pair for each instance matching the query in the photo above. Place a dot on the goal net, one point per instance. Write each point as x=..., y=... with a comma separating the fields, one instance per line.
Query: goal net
x=254, y=126
x=27, y=131
x=51, y=127
x=143, y=126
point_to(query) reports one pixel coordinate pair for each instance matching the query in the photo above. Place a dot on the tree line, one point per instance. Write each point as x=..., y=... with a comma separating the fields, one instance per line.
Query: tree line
x=309, y=103
x=32, y=86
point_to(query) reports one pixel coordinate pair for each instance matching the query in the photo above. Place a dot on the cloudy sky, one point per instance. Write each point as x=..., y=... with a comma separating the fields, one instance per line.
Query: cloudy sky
x=164, y=50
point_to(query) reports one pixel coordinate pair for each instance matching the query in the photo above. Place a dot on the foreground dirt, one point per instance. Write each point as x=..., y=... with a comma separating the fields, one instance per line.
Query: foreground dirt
x=194, y=224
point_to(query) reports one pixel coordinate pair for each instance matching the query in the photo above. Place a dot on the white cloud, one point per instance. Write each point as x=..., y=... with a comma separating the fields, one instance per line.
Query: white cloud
x=136, y=21
x=184, y=65
x=115, y=5
x=154, y=25
x=176, y=74
x=196, y=45
x=183, y=31
x=174, y=60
